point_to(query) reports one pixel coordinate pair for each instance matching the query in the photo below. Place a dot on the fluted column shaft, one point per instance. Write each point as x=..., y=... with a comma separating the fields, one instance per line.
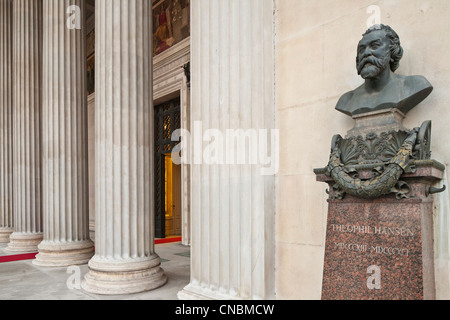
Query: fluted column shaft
x=232, y=203
x=64, y=140
x=124, y=261
x=27, y=60
x=6, y=211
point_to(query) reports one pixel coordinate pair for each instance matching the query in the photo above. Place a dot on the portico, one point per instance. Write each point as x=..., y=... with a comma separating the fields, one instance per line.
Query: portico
x=45, y=113
x=77, y=179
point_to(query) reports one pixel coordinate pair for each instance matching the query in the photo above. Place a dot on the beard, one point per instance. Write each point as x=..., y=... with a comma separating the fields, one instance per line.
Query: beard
x=371, y=67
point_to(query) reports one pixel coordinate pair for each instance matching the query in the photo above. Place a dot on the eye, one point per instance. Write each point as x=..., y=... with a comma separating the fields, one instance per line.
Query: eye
x=375, y=45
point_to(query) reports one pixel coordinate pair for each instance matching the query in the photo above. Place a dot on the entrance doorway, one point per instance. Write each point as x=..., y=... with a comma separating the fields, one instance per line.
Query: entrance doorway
x=172, y=197
x=167, y=174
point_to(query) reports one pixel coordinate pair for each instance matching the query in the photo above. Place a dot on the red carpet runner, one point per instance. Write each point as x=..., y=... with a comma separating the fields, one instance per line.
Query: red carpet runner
x=18, y=257
x=31, y=256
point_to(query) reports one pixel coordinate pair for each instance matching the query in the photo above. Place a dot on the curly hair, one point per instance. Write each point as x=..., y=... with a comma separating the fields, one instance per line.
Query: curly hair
x=396, y=48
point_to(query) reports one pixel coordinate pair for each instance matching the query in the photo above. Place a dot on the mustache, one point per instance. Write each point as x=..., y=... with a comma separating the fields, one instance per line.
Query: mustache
x=377, y=62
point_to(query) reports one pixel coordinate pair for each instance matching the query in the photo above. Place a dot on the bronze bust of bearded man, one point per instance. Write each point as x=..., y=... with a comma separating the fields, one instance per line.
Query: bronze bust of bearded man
x=378, y=57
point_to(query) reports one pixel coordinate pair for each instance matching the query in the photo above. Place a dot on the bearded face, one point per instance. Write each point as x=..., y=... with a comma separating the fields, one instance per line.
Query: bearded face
x=371, y=66
x=374, y=54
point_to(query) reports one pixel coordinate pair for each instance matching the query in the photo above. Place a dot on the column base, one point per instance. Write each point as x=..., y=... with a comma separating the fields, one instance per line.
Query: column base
x=64, y=254
x=24, y=242
x=127, y=276
x=92, y=230
x=196, y=292
x=4, y=234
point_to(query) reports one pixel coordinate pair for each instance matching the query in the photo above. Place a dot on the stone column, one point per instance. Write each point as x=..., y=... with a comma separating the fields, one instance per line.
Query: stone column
x=232, y=205
x=125, y=260
x=6, y=211
x=64, y=140
x=185, y=167
x=27, y=60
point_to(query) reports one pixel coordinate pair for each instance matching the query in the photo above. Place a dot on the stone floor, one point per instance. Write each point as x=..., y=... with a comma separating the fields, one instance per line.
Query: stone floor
x=21, y=280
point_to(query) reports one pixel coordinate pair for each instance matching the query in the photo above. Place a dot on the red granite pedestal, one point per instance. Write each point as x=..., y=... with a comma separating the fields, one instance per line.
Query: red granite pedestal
x=382, y=249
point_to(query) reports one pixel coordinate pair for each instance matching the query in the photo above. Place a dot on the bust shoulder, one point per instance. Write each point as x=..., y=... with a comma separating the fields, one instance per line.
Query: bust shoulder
x=344, y=102
x=348, y=103
x=416, y=83
x=403, y=93
x=415, y=90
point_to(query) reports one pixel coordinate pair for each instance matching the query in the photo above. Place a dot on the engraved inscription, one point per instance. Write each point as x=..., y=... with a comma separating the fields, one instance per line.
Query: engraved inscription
x=389, y=231
x=372, y=230
x=359, y=247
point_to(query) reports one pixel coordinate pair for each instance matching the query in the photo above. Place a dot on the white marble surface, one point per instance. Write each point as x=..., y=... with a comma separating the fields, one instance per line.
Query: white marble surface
x=64, y=139
x=125, y=260
x=232, y=229
x=27, y=104
x=6, y=107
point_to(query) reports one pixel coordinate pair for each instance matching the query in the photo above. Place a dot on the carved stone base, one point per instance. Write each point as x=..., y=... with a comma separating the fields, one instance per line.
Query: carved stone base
x=4, y=234
x=24, y=242
x=196, y=292
x=113, y=277
x=60, y=254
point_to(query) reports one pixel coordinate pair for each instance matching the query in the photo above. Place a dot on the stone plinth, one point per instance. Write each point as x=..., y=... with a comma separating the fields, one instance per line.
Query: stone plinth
x=377, y=122
x=382, y=249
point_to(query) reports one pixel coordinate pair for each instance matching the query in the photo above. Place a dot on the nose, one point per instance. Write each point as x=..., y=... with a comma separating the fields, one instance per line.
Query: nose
x=366, y=53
